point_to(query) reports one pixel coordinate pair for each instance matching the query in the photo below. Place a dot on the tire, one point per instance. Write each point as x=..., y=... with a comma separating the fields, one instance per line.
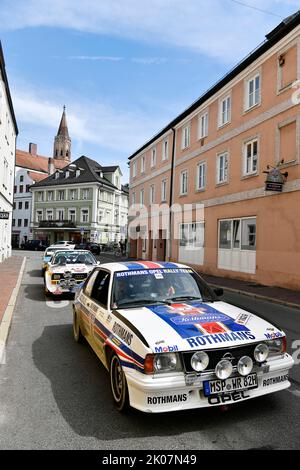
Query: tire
x=78, y=336
x=118, y=384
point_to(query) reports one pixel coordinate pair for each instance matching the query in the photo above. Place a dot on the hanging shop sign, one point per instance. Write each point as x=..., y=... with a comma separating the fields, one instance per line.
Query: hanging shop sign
x=4, y=215
x=275, y=179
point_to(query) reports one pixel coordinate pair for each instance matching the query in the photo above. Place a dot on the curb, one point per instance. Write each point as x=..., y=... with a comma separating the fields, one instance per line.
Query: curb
x=257, y=296
x=8, y=314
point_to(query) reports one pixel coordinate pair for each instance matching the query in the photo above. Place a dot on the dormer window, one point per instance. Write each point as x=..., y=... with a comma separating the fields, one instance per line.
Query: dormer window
x=67, y=174
x=56, y=175
x=77, y=173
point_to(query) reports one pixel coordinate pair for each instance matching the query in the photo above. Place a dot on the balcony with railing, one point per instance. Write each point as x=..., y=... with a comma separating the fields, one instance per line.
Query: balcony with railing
x=56, y=224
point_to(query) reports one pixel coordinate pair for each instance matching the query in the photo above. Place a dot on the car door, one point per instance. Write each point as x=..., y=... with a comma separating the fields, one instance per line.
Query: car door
x=99, y=307
x=85, y=306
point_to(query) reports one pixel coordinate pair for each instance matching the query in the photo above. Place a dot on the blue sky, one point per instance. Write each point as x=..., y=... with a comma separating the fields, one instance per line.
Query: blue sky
x=123, y=68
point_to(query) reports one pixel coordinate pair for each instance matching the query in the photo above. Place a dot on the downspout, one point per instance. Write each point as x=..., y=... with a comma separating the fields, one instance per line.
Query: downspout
x=171, y=195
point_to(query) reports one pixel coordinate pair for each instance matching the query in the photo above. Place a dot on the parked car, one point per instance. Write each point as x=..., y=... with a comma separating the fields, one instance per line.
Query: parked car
x=92, y=247
x=170, y=344
x=63, y=244
x=36, y=245
x=67, y=269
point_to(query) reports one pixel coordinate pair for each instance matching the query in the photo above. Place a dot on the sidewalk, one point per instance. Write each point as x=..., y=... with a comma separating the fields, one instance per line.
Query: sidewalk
x=9, y=273
x=273, y=294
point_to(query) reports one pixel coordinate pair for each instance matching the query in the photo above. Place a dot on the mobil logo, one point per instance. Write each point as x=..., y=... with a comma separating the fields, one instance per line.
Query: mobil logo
x=164, y=349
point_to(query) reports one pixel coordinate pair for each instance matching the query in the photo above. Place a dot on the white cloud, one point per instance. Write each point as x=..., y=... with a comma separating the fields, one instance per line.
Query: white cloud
x=217, y=28
x=102, y=58
x=149, y=60
x=93, y=122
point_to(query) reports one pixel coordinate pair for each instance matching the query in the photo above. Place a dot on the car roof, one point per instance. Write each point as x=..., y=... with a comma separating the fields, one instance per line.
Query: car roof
x=141, y=265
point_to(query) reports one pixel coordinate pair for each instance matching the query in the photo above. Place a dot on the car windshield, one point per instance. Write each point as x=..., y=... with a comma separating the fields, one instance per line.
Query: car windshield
x=74, y=257
x=132, y=288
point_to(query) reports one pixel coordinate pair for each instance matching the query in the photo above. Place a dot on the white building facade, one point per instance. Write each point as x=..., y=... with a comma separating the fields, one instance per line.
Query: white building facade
x=8, y=134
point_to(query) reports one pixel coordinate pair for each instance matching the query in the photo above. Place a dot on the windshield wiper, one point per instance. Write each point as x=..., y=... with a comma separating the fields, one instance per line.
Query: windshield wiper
x=183, y=297
x=135, y=303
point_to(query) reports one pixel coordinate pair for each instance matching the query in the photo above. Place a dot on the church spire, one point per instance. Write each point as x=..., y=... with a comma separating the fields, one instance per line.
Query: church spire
x=62, y=141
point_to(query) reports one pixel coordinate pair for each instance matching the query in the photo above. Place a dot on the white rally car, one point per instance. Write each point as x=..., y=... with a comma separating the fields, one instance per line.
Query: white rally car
x=170, y=344
x=67, y=269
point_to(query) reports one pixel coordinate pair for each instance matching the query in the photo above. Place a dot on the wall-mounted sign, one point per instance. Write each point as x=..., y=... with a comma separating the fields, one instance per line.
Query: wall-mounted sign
x=275, y=179
x=4, y=215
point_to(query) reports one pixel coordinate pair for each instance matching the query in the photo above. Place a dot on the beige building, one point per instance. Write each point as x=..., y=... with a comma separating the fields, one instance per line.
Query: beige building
x=217, y=154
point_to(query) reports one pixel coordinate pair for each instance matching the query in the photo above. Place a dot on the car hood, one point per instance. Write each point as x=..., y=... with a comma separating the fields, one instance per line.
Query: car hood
x=196, y=325
x=74, y=268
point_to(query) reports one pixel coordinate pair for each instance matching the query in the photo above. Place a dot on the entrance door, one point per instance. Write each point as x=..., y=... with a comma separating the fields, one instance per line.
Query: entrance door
x=161, y=247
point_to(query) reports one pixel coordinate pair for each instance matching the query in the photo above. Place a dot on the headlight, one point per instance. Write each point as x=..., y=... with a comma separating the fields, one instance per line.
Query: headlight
x=199, y=361
x=261, y=352
x=245, y=365
x=165, y=362
x=275, y=346
x=223, y=369
x=56, y=277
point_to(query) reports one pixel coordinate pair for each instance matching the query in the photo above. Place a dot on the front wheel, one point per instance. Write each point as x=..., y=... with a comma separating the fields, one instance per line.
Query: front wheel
x=118, y=384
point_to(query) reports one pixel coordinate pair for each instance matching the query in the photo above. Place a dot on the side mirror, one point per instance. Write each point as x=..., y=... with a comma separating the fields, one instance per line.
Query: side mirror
x=219, y=291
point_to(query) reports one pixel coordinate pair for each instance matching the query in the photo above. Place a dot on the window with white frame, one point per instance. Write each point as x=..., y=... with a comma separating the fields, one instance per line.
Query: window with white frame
x=250, y=157
x=165, y=150
x=39, y=215
x=153, y=156
x=143, y=164
x=142, y=196
x=84, y=215
x=50, y=196
x=101, y=216
x=73, y=194
x=134, y=169
x=186, y=136
x=238, y=234
x=60, y=213
x=133, y=198
x=40, y=196
x=183, y=182
x=253, y=92
x=152, y=194
x=225, y=111
x=72, y=215
x=222, y=168
x=85, y=193
x=203, y=125
x=201, y=175
x=192, y=235
x=49, y=214
x=61, y=195
x=164, y=190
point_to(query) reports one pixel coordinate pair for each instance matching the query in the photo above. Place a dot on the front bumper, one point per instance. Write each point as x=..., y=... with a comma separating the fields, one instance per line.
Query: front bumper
x=156, y=394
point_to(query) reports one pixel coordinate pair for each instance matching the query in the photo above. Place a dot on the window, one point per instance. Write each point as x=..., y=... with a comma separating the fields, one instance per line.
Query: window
x=225, y=234
x=253, y=92
x=39, y=215
x=13, y=222
x=287, y=136
x=40, y=196
x=21, y=188
x=203, y=126
x=248, y=234
x=57, y=175
x=250, y=157
x=143, y=164
x=19, y=222
x=67, y=174
x=84, y=215
x=60, y=214
x=85, y=193
x=101, y=287
x=25, y=222
x=100, y=216
x=26, y=205
x=77, y=173
x=183, y=182
x=152, y=194
x=21, y=179
x=165, y=150
x=50, y=196
x=201, y=175
x=27, y=188
x=225, y=111
x=153, y=156
x=133, y=199
x=141, y=196
x=73, y=194
x=72, y=215
x=89, y=286
x=191, y=235
x=14, y=206
x=61, y=195
x=186, y=136
x=49, y=214
x=164, y=190
x=20, y=205
x=134, y=169
x=15, y=189
x=222, y=168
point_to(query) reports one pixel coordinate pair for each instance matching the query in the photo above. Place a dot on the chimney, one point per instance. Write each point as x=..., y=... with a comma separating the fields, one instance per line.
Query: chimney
x=32, y=148
x=51, y=168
